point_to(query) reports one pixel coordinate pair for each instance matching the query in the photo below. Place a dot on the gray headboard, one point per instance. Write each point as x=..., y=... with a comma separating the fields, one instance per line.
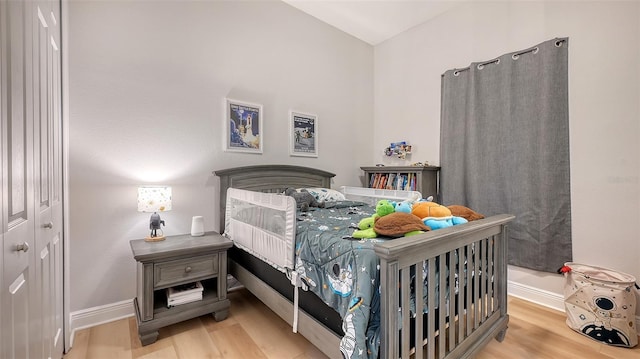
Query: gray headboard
x=268, y=178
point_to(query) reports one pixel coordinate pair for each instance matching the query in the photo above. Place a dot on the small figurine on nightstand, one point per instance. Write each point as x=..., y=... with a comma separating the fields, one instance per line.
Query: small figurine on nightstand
x=154, y=226
x=154, y=199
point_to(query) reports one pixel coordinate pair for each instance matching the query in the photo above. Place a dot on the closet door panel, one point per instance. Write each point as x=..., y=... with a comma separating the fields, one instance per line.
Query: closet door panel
x=18, y=200
x=31, y=262
x=48, y=174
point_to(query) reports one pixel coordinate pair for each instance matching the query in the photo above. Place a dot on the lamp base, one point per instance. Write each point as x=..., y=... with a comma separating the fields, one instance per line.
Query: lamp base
x=154, y=239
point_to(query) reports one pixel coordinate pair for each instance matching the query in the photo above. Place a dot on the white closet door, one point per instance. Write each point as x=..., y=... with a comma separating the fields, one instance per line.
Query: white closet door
x=31, y=307
x=48, y=175
x=17, y=167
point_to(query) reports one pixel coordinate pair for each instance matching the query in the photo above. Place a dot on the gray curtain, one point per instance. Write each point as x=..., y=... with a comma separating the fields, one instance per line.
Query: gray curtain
x=504, y=148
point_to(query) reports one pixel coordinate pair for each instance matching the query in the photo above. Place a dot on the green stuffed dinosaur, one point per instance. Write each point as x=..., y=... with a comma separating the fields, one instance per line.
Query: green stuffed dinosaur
x=365, y=226
x=365, y=229
x=384, y=207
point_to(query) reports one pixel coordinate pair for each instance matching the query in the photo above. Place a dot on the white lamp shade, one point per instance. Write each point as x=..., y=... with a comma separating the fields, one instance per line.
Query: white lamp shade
x=154, y=199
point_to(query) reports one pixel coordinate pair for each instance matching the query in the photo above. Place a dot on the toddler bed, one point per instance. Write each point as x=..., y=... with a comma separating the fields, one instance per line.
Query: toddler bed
x=462, y=270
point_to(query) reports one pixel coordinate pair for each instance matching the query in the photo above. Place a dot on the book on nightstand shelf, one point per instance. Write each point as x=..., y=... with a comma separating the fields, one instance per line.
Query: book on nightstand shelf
x=185, y=293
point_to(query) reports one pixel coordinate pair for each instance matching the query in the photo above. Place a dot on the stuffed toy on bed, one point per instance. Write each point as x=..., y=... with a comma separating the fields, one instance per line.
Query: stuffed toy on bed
x=365, y=226
x=464, y=212
x=399, y=224
x=387, y=222
x=384, y=207
x=435, y=215
x=403, y=207
x=304, y=199
x=365, y=229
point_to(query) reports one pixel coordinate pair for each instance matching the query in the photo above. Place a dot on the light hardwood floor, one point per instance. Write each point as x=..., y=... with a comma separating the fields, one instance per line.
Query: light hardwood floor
x=253, y=331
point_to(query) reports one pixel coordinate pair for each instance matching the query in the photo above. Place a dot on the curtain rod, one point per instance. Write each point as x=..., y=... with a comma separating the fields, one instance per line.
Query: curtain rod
x=515, y=56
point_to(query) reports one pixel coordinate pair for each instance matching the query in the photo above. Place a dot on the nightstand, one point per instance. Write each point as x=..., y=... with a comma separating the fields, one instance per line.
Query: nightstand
x=179, y=260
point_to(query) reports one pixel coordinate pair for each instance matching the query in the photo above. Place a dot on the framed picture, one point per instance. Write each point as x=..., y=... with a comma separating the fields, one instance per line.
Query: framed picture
x=243, y=129
x=303, y=134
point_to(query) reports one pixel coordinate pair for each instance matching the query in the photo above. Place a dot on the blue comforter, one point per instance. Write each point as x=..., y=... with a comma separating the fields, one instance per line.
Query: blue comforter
x=343, y=271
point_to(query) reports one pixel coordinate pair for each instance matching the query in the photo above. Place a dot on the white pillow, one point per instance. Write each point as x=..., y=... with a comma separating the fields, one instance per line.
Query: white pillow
x=325, y=194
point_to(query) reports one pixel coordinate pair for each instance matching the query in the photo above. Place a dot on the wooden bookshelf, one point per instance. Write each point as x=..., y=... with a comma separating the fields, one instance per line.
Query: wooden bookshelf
x=409, y=178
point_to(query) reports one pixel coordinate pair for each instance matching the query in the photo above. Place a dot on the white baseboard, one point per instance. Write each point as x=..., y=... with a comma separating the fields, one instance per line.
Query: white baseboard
x=536, y=295
x=91, y=317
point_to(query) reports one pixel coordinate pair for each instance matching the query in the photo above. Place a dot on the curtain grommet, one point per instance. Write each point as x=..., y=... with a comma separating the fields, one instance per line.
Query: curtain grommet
x=559, y=43
x=482, y=65
x=515, y=56
x=535, y=50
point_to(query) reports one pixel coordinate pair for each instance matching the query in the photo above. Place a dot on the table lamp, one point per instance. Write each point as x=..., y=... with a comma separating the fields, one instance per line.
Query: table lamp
x=154, y=199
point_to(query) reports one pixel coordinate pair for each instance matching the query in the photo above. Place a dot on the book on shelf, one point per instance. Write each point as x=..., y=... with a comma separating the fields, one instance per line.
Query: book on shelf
x=376, y=180
x=184, y=293
x=390, y=182
x=189, y=298
x=372, y=180
x=185, y=290
x=393, y=181
x=402, y=179
x=407, y=184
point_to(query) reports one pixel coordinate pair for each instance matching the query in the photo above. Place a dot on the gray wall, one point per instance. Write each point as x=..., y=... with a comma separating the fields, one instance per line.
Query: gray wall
x=146, y=87
x=604, y=100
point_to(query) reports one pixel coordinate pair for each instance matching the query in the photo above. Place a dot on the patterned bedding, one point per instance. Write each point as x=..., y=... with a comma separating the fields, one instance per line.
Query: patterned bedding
x=343, y=271
x=339, y=269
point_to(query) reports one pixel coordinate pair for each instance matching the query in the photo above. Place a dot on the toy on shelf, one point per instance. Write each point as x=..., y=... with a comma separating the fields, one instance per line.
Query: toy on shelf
x=399, y=149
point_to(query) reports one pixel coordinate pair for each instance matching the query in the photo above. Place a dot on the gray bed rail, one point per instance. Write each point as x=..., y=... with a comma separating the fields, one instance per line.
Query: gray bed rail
x=475, y=254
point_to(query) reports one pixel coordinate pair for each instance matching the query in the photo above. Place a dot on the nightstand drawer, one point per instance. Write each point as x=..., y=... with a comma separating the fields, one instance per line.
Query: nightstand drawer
x=183, y=270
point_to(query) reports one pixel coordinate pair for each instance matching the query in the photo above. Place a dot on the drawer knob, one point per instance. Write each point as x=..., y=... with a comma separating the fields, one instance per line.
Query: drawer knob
x=187, y=269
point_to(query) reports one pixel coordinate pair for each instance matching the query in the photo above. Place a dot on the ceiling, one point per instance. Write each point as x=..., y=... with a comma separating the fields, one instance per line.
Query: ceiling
x=374, y=21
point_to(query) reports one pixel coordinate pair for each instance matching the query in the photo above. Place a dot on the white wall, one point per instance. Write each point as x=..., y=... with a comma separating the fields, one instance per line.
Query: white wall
x=604, y=108
x=147, y=80
x=146, y=86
